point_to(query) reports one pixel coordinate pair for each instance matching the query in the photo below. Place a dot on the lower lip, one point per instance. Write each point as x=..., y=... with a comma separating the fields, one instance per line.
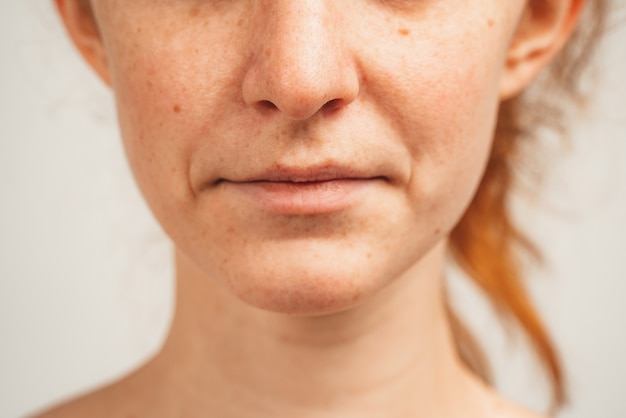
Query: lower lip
x=306, y=198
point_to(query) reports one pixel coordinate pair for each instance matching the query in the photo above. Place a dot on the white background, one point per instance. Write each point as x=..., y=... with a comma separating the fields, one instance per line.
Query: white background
x=85, y=276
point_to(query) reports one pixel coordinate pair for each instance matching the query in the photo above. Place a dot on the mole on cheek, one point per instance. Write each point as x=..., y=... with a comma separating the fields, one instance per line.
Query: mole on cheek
x=177, y=108
x=194, y=11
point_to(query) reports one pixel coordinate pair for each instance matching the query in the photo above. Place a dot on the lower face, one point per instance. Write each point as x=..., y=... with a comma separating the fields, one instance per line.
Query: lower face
x=306, y=154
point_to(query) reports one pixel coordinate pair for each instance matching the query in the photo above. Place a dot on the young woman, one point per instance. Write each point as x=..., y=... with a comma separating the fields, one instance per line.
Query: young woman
x=314, y=162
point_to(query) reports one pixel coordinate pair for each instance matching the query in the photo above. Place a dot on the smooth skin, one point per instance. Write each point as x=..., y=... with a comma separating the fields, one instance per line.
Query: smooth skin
x=333, y=312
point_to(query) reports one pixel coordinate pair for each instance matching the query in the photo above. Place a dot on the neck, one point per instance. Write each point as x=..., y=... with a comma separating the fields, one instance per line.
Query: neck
x=390, y=356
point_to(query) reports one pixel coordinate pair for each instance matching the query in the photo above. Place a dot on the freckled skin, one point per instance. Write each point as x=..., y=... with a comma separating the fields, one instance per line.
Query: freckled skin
x=256, y=84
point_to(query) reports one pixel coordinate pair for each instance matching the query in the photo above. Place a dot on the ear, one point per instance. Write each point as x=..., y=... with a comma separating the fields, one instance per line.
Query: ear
x=543, y=30
x=81, y=25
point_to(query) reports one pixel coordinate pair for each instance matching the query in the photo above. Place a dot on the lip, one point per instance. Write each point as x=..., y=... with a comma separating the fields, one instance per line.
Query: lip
x=303, y=191
x=307, y=174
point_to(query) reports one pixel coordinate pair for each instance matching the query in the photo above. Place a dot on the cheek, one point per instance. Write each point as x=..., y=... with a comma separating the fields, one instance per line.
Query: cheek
x=461, y=123
x=153, y=150
x=444, y=108
x=165, y=109
x=458, y=143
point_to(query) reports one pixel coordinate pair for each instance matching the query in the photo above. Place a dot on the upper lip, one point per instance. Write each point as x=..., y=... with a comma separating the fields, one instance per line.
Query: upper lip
x=306, y=174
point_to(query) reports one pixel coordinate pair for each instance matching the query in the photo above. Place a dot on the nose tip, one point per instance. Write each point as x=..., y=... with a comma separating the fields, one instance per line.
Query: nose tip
x=300, y=68
x=300, y=96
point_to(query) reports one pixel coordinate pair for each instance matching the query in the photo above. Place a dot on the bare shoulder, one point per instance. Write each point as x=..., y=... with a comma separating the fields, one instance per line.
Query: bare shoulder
x=495, y=405
x=519, y=412
x=95, y=404
x=124, y=399
x=503, y=408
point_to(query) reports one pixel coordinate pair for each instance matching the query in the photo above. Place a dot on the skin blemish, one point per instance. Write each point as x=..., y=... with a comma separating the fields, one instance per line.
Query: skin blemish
x=404, y=31
x=194, y=11
x=177, y=109
x=490, y=23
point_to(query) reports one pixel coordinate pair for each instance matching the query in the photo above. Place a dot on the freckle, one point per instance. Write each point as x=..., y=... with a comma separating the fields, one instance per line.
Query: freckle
x=177, y=108
x=403, y=31
x=194, y=12
x=490, y=22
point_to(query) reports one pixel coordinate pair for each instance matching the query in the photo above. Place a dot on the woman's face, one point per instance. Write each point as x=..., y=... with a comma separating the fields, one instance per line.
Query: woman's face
x=307, y=153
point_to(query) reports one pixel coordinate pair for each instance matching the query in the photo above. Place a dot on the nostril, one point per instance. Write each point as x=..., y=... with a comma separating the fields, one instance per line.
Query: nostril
x=333, y=104
x=267, y=105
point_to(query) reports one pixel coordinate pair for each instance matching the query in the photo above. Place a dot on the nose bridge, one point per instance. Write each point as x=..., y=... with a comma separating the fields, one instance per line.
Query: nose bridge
x=300, y=64
x=300, y=39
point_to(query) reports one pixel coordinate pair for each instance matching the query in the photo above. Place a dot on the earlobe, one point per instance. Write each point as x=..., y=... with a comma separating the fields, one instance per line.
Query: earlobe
x=542, y=32
x=82, y=28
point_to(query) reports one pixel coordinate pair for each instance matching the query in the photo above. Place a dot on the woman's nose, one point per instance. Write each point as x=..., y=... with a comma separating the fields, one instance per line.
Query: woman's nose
x=300, y=65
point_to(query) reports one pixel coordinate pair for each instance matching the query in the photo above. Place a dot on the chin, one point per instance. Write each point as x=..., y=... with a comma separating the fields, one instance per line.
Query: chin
x=312, y=293
x=314, y=265
x=317, y=280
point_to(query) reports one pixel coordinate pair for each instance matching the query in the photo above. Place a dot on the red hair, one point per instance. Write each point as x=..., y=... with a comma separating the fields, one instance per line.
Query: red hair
x=486, y=243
